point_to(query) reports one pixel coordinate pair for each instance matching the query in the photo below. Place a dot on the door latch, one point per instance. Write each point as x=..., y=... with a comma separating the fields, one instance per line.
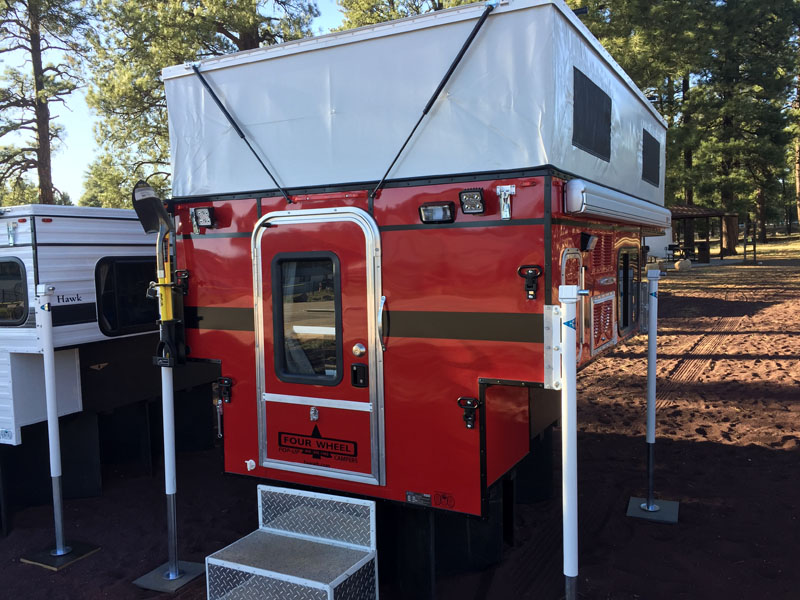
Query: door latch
x=224, y=385
x=182, y=281
x=469, y=405
x=359, y=375
x=222, y=394
x=530, y=273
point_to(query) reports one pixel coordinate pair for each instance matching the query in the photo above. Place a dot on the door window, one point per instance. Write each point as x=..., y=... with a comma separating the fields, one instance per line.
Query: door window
x=307, y=312
x=13, y=292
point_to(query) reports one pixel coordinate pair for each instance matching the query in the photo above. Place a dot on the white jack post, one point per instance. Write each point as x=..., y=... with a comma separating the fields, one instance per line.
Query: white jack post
x=568, y=296
x=174, y=574
x=63, y=554
x=663, y=511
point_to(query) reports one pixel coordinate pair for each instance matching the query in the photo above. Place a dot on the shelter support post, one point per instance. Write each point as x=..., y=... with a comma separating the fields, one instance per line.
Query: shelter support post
x=63, y=554
x=646, y=508
x=568, y=296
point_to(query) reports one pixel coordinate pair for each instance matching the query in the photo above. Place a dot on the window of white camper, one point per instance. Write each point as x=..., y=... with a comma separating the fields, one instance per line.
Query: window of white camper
x=13, y=292
x=307, y=318
x=121, y=284
x=627, y=289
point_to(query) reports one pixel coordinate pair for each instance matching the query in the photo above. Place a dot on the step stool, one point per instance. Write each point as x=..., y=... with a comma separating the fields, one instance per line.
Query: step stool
x=308, y=546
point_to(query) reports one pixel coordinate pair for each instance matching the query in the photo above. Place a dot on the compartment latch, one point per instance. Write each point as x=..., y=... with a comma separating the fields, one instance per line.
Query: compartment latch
x=469, y=405
x=531, y=274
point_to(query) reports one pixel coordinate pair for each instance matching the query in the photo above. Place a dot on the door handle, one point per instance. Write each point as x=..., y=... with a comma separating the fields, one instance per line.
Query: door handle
x=380, y=322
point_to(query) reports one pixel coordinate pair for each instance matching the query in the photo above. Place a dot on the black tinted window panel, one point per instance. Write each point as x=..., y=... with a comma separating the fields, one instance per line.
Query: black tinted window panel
x=123, y=307
x=13, y=293
x=591, y=117
x=651, y=159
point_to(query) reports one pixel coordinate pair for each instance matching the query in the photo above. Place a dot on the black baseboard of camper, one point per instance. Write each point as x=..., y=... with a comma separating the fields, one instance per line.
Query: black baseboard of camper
x=120, y=371
x=93, y=442
x=534, y=474
x=25, y=468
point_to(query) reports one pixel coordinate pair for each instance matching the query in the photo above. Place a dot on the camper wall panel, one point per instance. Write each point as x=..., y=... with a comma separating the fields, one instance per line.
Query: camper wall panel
x=398, y=208
x=462, y=270
x=568, y=239
x=71, y=270
x=15, y=230
x=27, y=379
x=508, y=429
x=9, y=432
x=315, y=125
x=469, y=266
x=75, y=231
x=599, y=276
x=220, y=277
x=58, y=210
x=304, y=107
x=630, y=117
x=230, y=218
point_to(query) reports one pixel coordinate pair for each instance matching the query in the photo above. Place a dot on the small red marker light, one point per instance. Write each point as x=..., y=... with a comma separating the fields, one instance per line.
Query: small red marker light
x=22, y=220
x=47, y=220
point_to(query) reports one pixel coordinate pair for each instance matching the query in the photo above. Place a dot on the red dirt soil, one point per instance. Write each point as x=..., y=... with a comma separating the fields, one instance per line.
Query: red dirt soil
x=728, y=449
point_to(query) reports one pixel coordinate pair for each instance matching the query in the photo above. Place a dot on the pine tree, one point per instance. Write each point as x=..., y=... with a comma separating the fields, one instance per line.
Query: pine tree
x=358, y=13
x=746, y=82
x=138, y=38
x=36, y=30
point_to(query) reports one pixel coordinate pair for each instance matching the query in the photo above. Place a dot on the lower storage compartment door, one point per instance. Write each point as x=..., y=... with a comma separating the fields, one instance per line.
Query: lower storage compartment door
x=327, y=438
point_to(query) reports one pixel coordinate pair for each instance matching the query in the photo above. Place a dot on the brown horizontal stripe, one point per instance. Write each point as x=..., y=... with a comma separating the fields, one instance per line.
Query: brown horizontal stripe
x=214, y=317
x=500, y=327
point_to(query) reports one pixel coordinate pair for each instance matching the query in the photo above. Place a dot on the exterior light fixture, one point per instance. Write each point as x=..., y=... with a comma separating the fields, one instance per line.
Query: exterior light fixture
x=201, y=217
x=437, y=212
x=472, y=202
x=588, y=242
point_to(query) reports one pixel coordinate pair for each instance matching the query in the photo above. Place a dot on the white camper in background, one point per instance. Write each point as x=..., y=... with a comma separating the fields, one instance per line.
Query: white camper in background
x=100, y=263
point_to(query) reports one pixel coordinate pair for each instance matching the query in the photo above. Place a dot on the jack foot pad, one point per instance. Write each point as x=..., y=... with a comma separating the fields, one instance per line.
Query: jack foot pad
x=155, y=580
x=45, y=558
x=667, y=510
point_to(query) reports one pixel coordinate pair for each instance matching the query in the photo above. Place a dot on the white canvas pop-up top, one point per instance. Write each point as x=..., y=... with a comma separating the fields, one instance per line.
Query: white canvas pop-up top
x=534, y=89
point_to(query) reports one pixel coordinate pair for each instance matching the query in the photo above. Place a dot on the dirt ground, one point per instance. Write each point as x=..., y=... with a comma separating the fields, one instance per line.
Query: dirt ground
x=728, y=450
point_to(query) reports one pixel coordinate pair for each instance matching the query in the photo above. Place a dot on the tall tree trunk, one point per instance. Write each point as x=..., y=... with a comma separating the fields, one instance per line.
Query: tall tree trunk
x=796, y=106
x=42, y=109
x=761, y=207
x=688, y=158
x=786, y=206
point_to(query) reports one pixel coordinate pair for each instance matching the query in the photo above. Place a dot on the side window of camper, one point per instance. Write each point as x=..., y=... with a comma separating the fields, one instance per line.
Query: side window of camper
x=627, y=288
x=591, y=117
x=121, y=284
x=307, y=320
x=13, y=292
x=651, y=159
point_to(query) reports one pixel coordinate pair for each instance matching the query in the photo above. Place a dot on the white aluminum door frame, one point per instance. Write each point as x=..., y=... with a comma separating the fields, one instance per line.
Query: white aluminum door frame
x=374, y=351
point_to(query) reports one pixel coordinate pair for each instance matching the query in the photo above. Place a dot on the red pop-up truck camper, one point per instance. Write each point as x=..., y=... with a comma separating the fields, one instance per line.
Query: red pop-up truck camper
x=387, y=340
